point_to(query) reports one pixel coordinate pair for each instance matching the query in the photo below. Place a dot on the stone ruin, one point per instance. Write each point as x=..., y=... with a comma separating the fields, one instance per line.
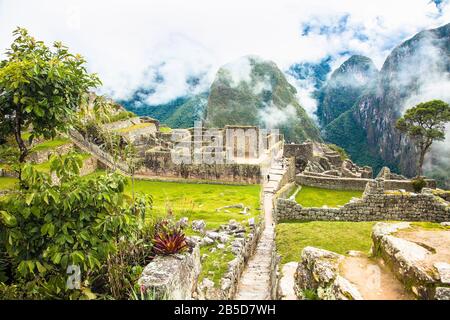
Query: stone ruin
x=406, y=262
x=376, y=204
x=318, y=159
x=176, y=277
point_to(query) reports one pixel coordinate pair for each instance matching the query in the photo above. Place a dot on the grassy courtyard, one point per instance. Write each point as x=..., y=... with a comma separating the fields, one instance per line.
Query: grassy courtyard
x=312, y=197
x=200, y=201
x=339, y=237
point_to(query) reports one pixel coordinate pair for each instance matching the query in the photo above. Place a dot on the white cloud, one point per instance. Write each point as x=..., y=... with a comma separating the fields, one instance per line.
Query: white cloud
x=273, y=117
x=128, y=42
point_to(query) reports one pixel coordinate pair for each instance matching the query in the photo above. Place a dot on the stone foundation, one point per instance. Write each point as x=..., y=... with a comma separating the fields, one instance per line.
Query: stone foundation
x=43, y=156
x=161, y=164
x=327, y=181
x=172, y=277
x=318, y=273
x=405, y=260
x=375, y=205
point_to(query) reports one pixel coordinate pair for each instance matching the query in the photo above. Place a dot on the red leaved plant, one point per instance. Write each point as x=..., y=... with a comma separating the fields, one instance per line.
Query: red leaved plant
x=168, y=239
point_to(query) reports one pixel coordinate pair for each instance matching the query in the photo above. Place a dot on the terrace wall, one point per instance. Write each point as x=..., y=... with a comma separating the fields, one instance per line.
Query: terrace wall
x=339, y=183
x=375, y=205
x=161, y=164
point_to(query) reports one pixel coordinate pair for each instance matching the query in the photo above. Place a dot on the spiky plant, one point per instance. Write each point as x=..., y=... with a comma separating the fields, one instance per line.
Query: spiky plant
x=168, y=239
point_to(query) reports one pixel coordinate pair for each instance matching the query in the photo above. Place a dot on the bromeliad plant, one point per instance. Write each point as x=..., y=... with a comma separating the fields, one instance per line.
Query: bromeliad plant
x=76, y=221
x=168, y=239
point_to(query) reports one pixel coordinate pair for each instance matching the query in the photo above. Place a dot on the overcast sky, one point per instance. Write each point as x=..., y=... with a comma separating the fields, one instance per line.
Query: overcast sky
x=128, y=42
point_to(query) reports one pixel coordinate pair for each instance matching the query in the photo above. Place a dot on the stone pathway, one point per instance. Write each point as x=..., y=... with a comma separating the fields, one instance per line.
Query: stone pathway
x=256, y=282
x=286, y=285
x=373, y=279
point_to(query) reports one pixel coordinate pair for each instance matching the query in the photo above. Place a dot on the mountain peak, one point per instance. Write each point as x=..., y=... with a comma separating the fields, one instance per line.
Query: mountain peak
x=254, y=91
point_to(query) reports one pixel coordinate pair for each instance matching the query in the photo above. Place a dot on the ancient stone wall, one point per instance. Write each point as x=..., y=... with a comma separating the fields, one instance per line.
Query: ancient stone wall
x=318, y=271
x=161, y=164
x=303, y=151
x=172, y=277
x=289, y=175
x=375, y=205
x=338, y=183
x=408, y=261
x=334, y=183
x=122, y=124
x=243, y=249
x=90, y=165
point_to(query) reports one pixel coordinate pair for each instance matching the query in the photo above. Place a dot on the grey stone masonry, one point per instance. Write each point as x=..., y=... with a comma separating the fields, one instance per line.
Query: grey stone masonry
x=172, y=277
x=375, y=205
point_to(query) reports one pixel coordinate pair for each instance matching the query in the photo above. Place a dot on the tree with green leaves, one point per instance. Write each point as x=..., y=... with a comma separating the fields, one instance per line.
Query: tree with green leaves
x=40, y=89
x=424, y=124
x=50, y=226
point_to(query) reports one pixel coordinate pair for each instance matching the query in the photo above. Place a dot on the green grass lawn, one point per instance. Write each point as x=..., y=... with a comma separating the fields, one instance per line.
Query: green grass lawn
x=200, y=201
x=312, y=197
x=51, y=144
x=338, y=237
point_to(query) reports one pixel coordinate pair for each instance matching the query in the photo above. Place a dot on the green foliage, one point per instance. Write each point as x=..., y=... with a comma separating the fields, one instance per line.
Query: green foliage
x=179, y=113
x=418, y=184
x=125, y=266
x=41, y=88
x=123, y=115
x=310, y=294
x=9, y=158
x=76, y=221
x=346, y=133
x=168, y=238
x=424, y=124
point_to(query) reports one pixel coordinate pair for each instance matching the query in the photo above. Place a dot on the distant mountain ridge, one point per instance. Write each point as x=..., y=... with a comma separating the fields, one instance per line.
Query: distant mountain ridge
x=410, y=75
x=253, y=91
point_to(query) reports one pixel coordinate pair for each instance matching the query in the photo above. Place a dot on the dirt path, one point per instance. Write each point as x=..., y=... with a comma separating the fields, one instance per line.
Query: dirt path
x=373, y=279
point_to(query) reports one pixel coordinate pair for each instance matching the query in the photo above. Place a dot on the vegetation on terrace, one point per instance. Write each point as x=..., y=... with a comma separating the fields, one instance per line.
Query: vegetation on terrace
x=200, y=201
x=50, y=144
x=293, y=236
x=312, y=197
x=134, y=127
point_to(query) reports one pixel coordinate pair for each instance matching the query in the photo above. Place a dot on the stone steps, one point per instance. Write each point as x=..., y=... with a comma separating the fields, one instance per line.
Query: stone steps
x=255, y=283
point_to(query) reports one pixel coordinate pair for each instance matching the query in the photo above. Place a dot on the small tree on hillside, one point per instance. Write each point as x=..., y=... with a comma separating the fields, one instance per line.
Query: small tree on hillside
x=40, y=89
x=424, y=124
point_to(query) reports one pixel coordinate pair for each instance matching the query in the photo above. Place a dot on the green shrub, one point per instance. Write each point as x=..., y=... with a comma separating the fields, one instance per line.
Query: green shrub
x=77, y=221
x=418, y=184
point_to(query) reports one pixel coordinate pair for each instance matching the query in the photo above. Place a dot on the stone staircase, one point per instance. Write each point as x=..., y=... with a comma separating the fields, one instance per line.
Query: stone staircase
x=258, y=281
x=102, y=156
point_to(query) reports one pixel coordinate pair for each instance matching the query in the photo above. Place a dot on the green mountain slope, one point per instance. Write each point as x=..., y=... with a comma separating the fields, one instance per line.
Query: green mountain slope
x=251, y=91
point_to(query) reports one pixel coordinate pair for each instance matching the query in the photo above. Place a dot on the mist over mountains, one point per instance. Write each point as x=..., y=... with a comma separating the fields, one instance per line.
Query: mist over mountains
x=355, y=105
